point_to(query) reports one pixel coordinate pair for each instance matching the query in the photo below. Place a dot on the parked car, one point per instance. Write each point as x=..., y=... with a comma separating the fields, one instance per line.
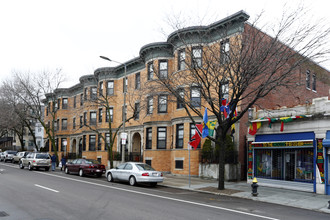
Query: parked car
x=35, y=160
x=2, y=156
x=85, y=167
x=19, y=155
x=9, y=155
x=134, y=172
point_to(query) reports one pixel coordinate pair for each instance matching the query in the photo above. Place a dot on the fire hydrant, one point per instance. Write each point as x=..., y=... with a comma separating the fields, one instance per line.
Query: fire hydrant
x=254, y=187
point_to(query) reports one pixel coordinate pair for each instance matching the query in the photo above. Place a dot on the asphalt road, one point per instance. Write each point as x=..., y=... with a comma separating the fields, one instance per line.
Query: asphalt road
x=41, y=195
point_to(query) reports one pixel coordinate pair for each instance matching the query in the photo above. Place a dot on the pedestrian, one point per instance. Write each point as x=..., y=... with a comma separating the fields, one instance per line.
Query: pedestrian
x=63, y=161
x=53, y=159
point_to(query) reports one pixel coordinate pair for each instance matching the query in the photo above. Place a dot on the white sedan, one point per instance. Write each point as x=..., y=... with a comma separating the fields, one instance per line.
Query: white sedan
x=134, y=172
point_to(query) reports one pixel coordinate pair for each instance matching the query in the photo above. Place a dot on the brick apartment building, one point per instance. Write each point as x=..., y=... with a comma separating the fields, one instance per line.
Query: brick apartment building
x=160, y=132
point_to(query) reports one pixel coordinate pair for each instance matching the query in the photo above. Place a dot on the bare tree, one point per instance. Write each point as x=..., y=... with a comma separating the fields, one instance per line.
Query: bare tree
x=32, y=89
x=239, y=68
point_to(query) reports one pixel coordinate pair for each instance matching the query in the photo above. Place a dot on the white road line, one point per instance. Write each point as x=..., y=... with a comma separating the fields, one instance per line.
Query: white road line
x=164, y=197
x=43, y=187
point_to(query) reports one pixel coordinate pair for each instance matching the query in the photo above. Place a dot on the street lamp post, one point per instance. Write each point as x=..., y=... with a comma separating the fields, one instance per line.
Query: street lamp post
x=124, y=108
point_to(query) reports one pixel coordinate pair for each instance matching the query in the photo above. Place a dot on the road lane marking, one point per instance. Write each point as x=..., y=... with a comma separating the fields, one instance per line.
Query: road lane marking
x=43, y=187
x=162, y=197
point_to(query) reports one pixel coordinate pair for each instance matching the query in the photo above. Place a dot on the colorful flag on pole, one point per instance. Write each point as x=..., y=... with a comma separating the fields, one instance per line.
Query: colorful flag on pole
x=211, y=126
x=205, y=132
x=196, y=139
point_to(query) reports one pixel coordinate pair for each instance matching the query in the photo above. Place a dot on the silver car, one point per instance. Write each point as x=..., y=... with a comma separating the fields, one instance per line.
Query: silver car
x=134, y=172
x=9, y=155
x=2, y=156
x=19, y=155
x=35, y=160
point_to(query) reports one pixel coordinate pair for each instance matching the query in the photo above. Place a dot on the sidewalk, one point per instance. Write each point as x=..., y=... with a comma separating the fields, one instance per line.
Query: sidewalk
x=304, y=200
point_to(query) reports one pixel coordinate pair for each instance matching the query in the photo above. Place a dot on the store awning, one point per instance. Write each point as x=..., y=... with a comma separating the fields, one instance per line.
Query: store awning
x=326, y=142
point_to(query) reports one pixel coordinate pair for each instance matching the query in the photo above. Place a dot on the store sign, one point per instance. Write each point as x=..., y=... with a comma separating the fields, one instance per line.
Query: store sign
x=284, y=144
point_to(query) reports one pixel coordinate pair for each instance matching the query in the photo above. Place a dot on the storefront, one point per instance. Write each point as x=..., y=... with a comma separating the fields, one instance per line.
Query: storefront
x=285, y=160
x=326, y=145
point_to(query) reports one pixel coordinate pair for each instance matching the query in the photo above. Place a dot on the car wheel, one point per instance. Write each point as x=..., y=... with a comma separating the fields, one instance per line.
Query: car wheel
x=109, y=177
x=66, y=170
x=30, y=167
x=47, y=168
x=21, y=165
x=81, y=172
x=132, y=181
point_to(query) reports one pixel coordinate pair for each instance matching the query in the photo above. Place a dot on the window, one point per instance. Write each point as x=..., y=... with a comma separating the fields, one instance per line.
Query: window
x=225, y=90
x=84, y=143
x=81, y=121
x=92, y=119
x=48, y=108
x=197, y=57
x=100, y=88
x=162, y=104
x=100, y=115
x=314, y=82
x=195, y=96
x=85, y=93
x=81, y=99
x=65, y=103
x=99, y=142
x=224, y=52
x=192, y=133
x=93, y=93
x=64, y=124
x=74, y=101
x=178, y=164
x=125, y=81
x=110, y=86
x=308, y=80
x=58, y=124
x=74, y=123
x=149, y=138
x=63, y=144
x=107, y=140
x=180, y=102
x=179, y=136
x=150, y=71
x=137, y=81
x=182, y=60
x=92, y=142
x=58, y=104
x=148, y=162
x=161, y=138
x=85, y=118
x=137, y=111
x=150, y=105
x=163, y=69
x=111, y=115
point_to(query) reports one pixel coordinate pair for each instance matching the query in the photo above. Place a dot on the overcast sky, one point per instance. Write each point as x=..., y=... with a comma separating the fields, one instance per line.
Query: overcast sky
x=39, y=35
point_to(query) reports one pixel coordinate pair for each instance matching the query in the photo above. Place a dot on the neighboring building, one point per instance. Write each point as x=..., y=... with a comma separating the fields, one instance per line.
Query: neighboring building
x=291, y=147
x=160, y=132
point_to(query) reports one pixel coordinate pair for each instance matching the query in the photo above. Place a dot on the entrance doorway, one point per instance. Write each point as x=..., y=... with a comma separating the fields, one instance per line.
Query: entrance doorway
x=136, y=148
x=289, y=166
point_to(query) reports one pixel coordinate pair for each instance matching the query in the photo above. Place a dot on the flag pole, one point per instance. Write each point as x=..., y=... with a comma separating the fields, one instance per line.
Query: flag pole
x=189, y=161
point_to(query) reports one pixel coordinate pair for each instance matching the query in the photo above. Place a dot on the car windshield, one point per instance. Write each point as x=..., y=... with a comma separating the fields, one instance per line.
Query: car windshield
x=143, y=166
x=42, y=156
x=12, y=152
x=92, y=162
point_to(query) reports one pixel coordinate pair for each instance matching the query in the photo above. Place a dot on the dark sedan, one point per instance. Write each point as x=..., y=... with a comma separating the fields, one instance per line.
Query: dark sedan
x=85, y=167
